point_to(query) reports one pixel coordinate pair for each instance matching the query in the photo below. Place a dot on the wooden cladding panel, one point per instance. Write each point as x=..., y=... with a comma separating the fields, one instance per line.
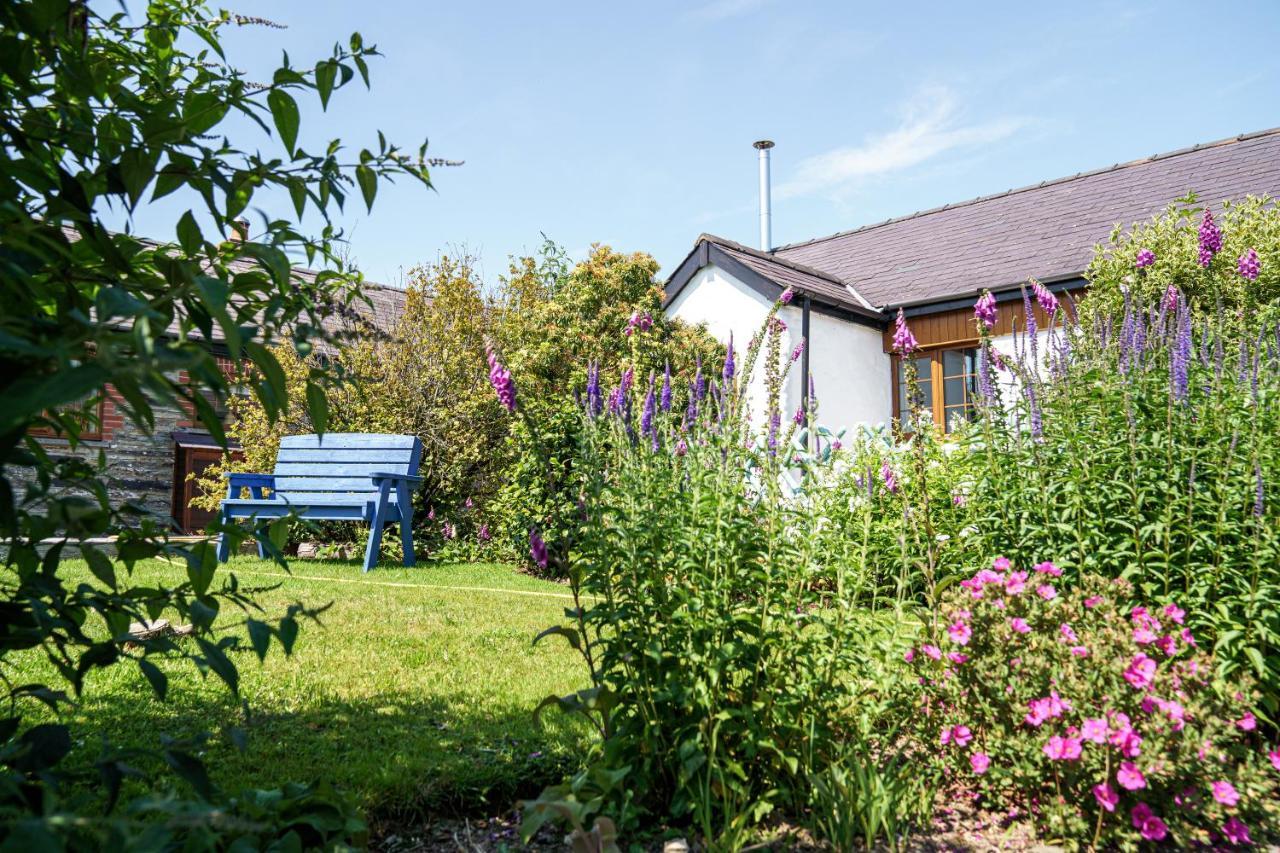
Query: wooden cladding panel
x=958, y=327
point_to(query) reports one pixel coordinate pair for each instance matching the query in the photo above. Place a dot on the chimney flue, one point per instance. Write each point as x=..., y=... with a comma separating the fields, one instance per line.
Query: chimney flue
x=766, y=205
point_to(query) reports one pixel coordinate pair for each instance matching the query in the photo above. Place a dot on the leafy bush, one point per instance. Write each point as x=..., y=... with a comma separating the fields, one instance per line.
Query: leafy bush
x=1102, y=721
x=1177, y=250
x=99, y=113
x=723, y=669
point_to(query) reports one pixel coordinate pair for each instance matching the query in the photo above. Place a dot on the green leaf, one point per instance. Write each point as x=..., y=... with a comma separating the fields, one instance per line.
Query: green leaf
x=284, y=112
x=218, y=661
x=190, y=768
x=368, y=180
x=318, y=407
x=159, y=681
x=326, y=75
x=189, y=236
x=260, y=637
x=99, y=564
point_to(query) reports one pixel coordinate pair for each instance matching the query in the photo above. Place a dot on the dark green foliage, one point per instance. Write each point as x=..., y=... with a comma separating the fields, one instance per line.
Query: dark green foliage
x=101, y=113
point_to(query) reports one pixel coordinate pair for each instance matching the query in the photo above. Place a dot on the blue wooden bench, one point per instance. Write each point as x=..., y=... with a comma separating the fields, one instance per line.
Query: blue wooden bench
x=334, y=477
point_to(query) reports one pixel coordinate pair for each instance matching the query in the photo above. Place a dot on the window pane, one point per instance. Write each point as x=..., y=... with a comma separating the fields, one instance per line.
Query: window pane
x=956, y=362
x=957, y=391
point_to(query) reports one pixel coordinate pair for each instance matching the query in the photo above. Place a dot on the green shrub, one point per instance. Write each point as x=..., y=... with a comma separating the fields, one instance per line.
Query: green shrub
x=723, y=666
x=1103, y=722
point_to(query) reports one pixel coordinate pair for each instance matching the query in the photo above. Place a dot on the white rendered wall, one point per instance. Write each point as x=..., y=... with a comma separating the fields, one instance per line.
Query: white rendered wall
x=725, y=306
x=851, y=372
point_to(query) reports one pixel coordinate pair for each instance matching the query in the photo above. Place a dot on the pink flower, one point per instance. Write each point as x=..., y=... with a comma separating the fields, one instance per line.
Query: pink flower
x=1080, y=651
x=1067, y=632
x=1015, y=583
x=1094, y=729
x=1274, y=756
x=1048, y=568
x=932, y=651
x=959, y=735
x=1106, y=796
x=1185, y=633
x=960, y=632
x=1020, y=625
x=1046, y=591
x=957, y=658
x=979, y=761
x=1143, y=636
x=1130, y=777
x=1093, y=601
x=1248, y=722
x=1168, y=645
x=1000, y=564
x=1141, y=672
x=1128, y=742
x=1224, y=792
x=1151, y=827
x=1174, y=612
x=1236, y=831
x=1063, y=748
x=909, y=655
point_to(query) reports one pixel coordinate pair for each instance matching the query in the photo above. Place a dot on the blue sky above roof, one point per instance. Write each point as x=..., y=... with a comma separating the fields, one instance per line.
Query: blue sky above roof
x=632, y=124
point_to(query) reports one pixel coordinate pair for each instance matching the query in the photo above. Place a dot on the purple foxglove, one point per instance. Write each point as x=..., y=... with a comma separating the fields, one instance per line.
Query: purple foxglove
x=787, y=296
x=1248, y=265
x=728, y=361
x=1146, y=258
x=904, y=343
x=1210, y=239
x=503, y=384
x=665, y=401
x=985, y=310
x=537, y=549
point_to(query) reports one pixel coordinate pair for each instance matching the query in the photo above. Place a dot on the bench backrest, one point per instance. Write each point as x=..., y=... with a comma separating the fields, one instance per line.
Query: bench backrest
x=337, y=463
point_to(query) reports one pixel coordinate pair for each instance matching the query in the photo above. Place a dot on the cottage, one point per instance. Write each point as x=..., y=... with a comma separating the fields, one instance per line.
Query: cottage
x=933, y=265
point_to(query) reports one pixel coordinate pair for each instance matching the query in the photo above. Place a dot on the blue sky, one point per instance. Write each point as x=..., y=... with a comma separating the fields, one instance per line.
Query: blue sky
x=631, y=123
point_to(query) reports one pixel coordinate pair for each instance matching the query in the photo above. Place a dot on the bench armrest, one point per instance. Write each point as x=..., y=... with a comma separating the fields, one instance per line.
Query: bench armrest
x=408, y=478
x=238, y=480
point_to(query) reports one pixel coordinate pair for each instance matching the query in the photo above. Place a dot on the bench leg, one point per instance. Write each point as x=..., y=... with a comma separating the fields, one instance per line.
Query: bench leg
x=404, y=501
x=374, y=545
x=375, y=527
x=262, y=549
x=224, y=545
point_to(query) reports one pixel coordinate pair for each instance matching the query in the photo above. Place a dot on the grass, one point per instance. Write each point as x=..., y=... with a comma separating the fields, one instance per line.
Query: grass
x=415, y=694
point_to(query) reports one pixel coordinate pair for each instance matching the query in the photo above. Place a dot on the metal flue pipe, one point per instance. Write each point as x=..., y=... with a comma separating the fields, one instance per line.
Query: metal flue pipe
x=766, y=205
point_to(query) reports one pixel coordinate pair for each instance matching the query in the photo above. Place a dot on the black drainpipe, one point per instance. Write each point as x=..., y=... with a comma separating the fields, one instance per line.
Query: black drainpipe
x=804, y=364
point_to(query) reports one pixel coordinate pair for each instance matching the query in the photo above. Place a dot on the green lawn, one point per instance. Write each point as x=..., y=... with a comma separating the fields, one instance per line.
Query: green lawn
x=415, y=694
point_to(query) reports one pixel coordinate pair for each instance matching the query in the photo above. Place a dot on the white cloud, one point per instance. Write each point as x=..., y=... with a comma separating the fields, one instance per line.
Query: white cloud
x=719, y=10
x=930, y=126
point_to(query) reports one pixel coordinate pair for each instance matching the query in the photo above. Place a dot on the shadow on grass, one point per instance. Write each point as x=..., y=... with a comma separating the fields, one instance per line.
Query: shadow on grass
x=403, y=758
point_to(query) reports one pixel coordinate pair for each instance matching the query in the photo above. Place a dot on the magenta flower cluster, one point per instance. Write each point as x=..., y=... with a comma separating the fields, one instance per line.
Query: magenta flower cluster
x=503, y=384
x=985, y=309
x=1058, y=698
x=1210, y=239
x=1145, y=258
x=904, y=343
x=1248, y=265
x=638, y=322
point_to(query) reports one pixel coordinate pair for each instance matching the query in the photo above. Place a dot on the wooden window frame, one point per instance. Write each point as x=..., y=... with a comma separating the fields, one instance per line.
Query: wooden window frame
x=937, y=382
x=97, y=433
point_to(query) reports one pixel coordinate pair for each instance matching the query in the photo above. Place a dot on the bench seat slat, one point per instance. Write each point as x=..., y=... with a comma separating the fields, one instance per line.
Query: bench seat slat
x=310, y=456
x=336, y=440
x=338, y=469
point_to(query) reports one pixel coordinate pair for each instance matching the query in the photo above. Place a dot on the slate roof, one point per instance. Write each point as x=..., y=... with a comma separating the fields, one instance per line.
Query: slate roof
x=1047, y=231
x=788, y=273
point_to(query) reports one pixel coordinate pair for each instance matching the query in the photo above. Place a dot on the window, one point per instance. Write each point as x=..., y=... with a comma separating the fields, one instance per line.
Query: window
x=90, y=429
x=948, y=385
